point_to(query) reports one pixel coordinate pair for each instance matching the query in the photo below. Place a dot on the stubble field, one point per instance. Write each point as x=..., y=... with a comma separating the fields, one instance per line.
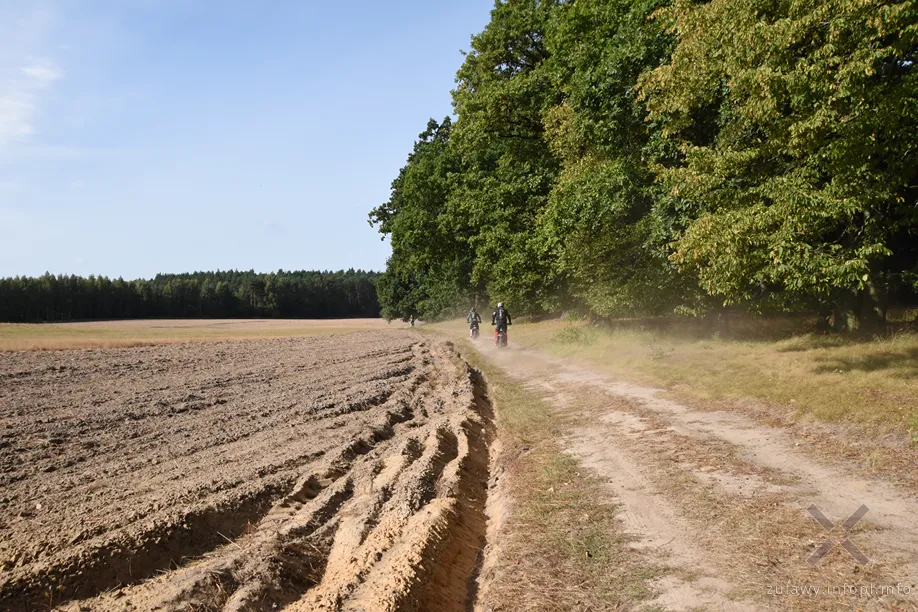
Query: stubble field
x=144, y=332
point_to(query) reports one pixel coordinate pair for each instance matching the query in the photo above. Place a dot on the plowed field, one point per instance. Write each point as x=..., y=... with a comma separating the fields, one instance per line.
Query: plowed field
x=337, y=472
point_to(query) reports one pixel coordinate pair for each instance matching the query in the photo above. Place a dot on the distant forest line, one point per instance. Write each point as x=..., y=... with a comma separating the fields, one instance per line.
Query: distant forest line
x=218, y=295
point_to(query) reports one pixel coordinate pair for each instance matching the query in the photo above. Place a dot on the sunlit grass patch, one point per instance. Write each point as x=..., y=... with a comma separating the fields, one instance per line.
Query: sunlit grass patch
x=872, y=382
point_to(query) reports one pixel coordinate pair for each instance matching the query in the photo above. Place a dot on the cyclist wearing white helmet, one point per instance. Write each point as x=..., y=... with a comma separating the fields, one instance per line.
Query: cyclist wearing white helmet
x=501, y=318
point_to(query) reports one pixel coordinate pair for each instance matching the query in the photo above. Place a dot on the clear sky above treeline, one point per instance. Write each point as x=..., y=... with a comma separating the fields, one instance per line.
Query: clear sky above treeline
x=145, y=136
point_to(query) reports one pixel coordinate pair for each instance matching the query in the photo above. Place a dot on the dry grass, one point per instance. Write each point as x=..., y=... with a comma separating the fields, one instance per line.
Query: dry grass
x=120, y=334
x=561, y=507
x=768, y=538
x=844, y=399
x=562, y=547
x=834, y=379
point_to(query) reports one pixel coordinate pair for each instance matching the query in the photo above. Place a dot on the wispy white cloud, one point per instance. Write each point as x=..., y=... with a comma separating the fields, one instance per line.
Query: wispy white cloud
x=20, y=97
x=27, y=72
x=16, y=112
x=42, y=74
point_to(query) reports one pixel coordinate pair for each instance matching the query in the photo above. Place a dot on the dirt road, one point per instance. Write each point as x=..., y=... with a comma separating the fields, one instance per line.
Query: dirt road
x=723, y=501
x=340, y=472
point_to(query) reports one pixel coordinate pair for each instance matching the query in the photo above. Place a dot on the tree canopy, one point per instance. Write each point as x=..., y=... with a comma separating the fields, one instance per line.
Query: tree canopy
x=623, y=157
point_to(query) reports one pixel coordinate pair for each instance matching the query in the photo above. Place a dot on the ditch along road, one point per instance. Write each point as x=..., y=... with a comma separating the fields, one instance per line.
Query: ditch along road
x=727, y=505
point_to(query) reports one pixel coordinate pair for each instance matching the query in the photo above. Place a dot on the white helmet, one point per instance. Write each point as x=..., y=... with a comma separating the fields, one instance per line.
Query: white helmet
x=500, y=304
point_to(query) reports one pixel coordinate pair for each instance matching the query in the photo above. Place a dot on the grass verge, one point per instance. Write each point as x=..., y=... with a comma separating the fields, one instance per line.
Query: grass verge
x=561, y=545
x=832, y=378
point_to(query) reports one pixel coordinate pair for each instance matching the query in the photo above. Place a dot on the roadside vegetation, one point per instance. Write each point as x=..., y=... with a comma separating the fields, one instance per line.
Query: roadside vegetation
x=620, y=158
x=872, y=382
x=740, y=514
x=561, y=545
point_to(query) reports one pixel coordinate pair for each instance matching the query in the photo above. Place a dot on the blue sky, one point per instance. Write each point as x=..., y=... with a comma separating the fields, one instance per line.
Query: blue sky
x=145, y=136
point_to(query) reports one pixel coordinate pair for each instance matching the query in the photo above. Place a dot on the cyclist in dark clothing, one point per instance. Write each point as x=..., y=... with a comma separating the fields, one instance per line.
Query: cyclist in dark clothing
x=474, y=320
x=501, y=318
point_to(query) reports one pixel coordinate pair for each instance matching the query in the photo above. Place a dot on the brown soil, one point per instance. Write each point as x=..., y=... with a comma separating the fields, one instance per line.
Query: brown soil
x=335, y=472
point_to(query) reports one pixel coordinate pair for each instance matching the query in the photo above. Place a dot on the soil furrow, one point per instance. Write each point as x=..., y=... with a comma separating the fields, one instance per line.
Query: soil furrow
x=252, y=475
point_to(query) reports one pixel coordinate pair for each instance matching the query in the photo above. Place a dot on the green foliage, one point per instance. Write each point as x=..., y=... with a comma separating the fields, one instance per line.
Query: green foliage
x=603, y=215
x=573, y=334
x=504, y=87
x=639, y=157
x=796, y=123
x=429, y=271
x=314, y=295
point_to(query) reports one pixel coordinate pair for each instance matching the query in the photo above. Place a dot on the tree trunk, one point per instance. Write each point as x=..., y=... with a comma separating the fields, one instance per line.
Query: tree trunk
x=862, y=310
x=723, y=322
x=844, y=312
x=824, y=318
x=875, y=305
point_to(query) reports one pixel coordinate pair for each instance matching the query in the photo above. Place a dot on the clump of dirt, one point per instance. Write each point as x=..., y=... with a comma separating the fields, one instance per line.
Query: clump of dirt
x=339, y=472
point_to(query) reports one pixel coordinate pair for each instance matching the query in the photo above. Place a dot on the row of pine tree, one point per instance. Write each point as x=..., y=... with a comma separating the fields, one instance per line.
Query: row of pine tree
x=231, y=294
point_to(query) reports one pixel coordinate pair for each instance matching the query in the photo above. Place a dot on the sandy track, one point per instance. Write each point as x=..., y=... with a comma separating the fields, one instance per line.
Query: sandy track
x=340, y=472
x=722, y=500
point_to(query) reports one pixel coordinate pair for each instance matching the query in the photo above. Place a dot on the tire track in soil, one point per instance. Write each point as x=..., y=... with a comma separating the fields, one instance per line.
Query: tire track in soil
x=722, y=500
x=292, y=481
